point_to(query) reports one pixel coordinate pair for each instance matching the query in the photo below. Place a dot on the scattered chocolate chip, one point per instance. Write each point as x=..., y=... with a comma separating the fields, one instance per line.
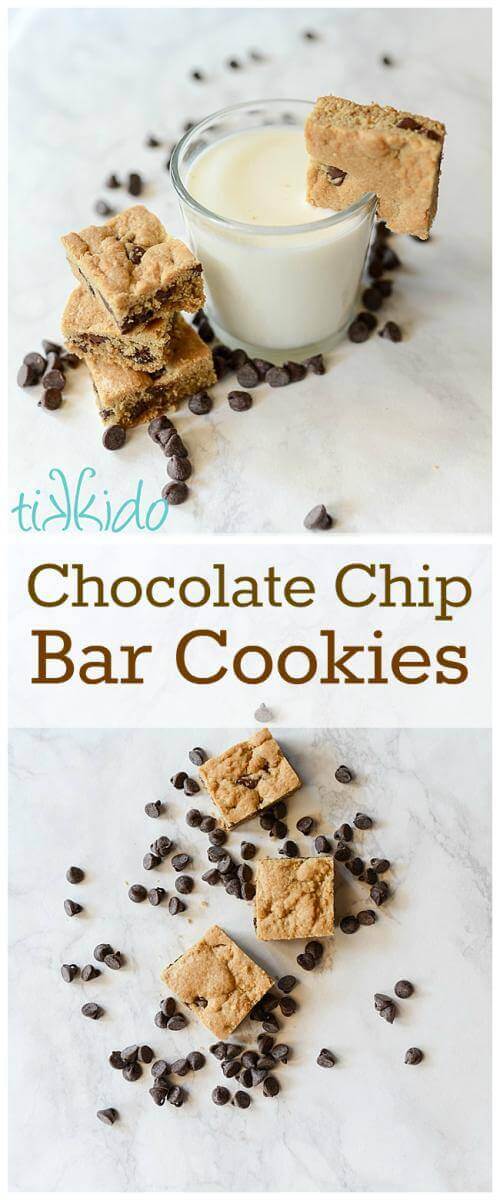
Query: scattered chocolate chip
x=108, y=1116
x=358, y=331
x=288, y=1006
x=270, y=1025
x=153, y=809
x=231, y=1068
x=380, y=865
x=156, y=896
x=248, y=376
x=233, y=64
x=322, y=845
x=112, y=181
x=134, y=183
x=241, y=1100
x=379, y=892
x=115, y=1060
x=349, y=924
x=277, y=377
x=180, y=1067
x=220, y=1095
x=316, y=364
x=54, y=380
x=367, y=916
x=343, y=852
x=355, y=866
x=160, y=1069
x=344, y=833
x=103, y=209
x=196, y=1060
x=161, y=847
x=248, y=891
x=114, y=961
x=184, y=884
x=130, y=1054
x=386, y=1007
x=289, y=849
x=362, y=821
x=93, y=1011
x=305, y=825
x=176, y=906
x=372, y=298
x=178, y=468
x=158, y=1095
x=368, y=876
x=172, y=444
x=369, y=319
x=326, y=1059
x=36, y=362
x=306, y=961
x=137, y=892
x=278, y=830
x=217, y=836
x=344, y=775
x=69, y=971
x=176, y=1096
x=413, y=1056
x=71, y=908
x=150, y=861
x=387, y=60
x=310, y=35
x=207, y=824
x=191, y=787
x=75, y=874
x=152, y=142
x=211, y=877
x=404, y=989
x=314, y=948
x=175, y=493
x=159, y=425
x=271, y=1086
x=50, y=400
x=102, y=950
x=178, y=779
x=114, y=437
x=161, y=1020
x=248, y=850
x=239, y=401
x=318, y=518
x=146, y=1054
x=280, y=1052
x=205, y=331
x=178, y=1021
x=193, y=818
x=218, y=1050
x=168, y=1006
x=392, y=331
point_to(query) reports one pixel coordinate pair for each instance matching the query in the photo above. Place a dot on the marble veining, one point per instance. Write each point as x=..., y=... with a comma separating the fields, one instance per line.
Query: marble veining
x=393, y=437
x=370, y=1124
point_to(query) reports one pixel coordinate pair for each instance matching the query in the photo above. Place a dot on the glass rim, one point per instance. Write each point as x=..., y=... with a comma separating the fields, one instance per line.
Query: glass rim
x=365, y=202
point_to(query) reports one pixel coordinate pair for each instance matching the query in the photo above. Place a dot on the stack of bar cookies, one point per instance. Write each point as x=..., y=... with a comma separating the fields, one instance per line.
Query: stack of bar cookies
x=124, y=319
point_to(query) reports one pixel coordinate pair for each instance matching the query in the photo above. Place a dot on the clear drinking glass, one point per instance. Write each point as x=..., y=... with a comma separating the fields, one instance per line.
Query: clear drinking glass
x=273, y=289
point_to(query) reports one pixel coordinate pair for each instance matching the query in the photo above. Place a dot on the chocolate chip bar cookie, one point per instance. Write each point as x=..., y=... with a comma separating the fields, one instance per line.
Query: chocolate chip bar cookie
x=360, y=148
x=294, y=898
x=126, y=397
x=135, y=269
x=248, y=777
x=88, y=329
x=217, y=981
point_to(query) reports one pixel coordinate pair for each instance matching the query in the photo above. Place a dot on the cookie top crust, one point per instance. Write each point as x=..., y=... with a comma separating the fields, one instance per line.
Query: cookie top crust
x=217, y=981
x=110, y=256
x=294, y=898
x=249, y=776
x=334, y=110
x=84, y=314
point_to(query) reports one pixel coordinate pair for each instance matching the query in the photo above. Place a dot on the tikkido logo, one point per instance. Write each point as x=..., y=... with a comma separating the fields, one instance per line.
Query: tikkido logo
x=74, y=506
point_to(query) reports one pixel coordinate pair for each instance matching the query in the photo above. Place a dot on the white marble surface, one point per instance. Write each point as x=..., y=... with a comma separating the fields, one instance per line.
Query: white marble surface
x=370, y=1124
x=394, y=437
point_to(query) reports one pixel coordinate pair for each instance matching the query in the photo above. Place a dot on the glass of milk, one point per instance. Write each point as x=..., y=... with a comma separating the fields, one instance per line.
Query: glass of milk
x=281, y=275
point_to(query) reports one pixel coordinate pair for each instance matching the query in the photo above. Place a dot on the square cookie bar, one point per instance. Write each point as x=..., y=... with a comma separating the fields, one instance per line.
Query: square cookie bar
x=217, y=981
x=294, y=898
x=88, y=329
x=127, y=398
x=248, y=777
x=135, y=268
x=360, y=148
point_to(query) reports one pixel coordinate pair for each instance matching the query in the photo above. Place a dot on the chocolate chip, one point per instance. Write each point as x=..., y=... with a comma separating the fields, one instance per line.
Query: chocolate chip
x=368, y=875
x=278, y=830
x=178, y=779
x=344, y=833
x=54, y=380
x=36, y=361
x=178, y=1021
x=160, y=1069
x=220, y=1095
x=103, y=209
x=153, y=809
x=305, y=825
x=380, y=865
x=432, y=135
x=250, y=1058
x=277, y=377
x=146, y=1054
x=193, y=818
x=51, y=400
x=322, y=845
x=248, y=891
x=367, y=916
x=134, y=183
x=344, y=775
x=108, y=1116
x=355, y=866
x=369, y=320
x=152, y=142
x=180, y=1067
x=233, y=64
x=379, y=892
x=266, y=821
x=114, y=437
x=316, y=364
x=248, y=376
x=233, y=887
x=239, y=401
x=270, y=1025
x=248, y=850
x=306, y=961
x=115, y=1060
x=158, y=426
x=168, y=1006
x=114, y=961
x=271, y=1086
x=92, y=1011
x=179, y=468
x=280, y=1052
x=176, y=1096
x=161, y=847
x=288, y=1006
x=176, y=906
x=241, y=1100
x=130, y=1054
x=200, y=403
x=349, y=924
x=69, y=971
x=326, y=1059
x=336, y=176
x=343, y=852
x=372, y=298
x=158, y=1095
x=211, y=877
x=207, y=824
x=137, y=893
x=71, y=908
x=27, y=376
x=150, y=861
x=75, y=874
x=156, y=896
x=318, y=518
x=217, y=836
x=200, y=1002
x=218, y=1050
x=102, y=950
x=289, y=849
x=161, y=1020
x=175, y=493
x=391, y=331
x=262, y=366
x=246, y=1077
x=205, y=331
x=408, y=123
x=231, y=1068
x=386, y=1007
x=315, y=949
x=362, y=821
x=196, y=1060
x=191, y=787
x=112, y=181
x=358, y=331
x=296, y=371
x=386, y=60
x=184, y=884
x=403, y=988
x=173, y=445
x=238, y=357
x=413, y=1056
